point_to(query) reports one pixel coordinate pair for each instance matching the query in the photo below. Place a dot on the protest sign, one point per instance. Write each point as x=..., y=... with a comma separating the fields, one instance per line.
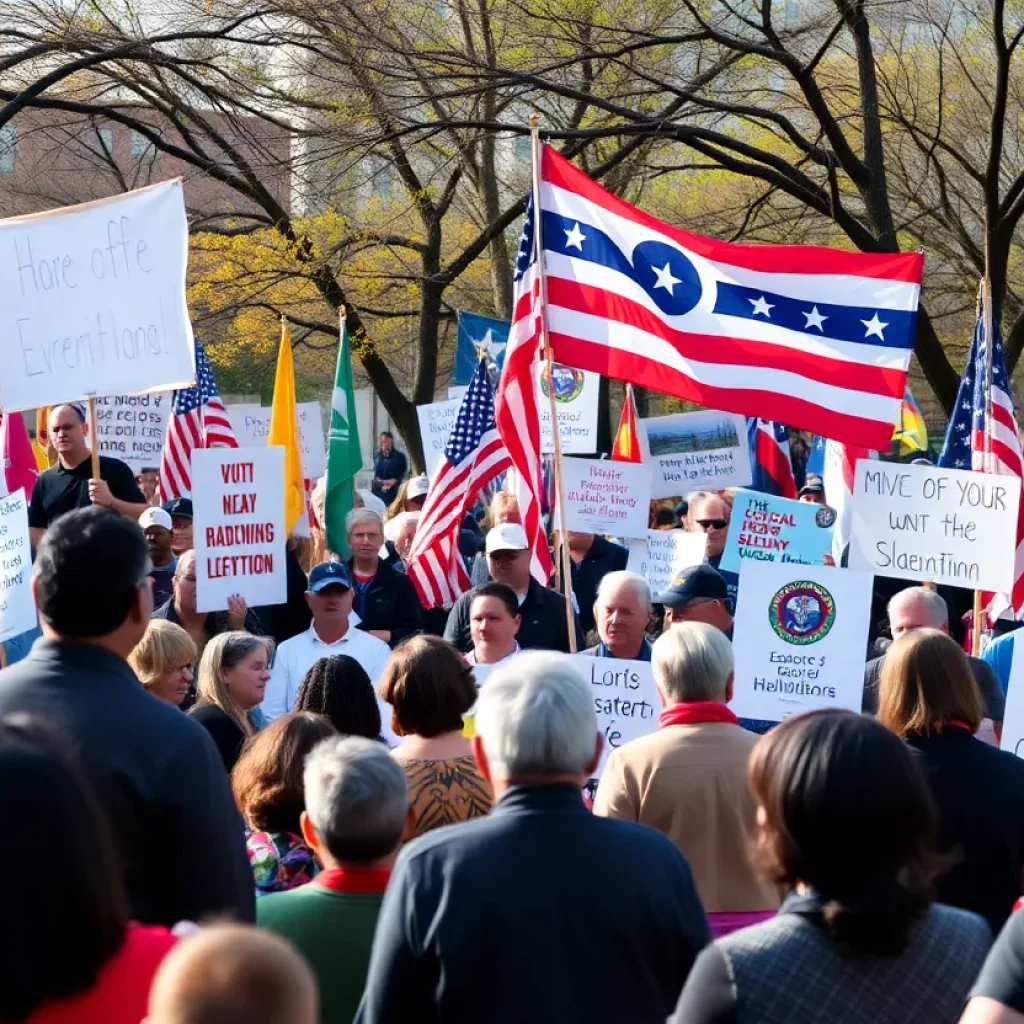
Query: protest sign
x=606, y=497
x=695, y=450
x=771, y=529
x=937, y=525
x=132, y=428
x=1013, y=716
x=665, y=554
x=576, y=405
x=17, y=609
x=92, y=300
x=436, y=423
x=799, y=639
x=251, y=424
x=238, y=498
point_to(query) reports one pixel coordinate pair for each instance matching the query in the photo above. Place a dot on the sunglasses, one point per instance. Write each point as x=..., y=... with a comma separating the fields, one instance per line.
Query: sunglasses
x=712, y=524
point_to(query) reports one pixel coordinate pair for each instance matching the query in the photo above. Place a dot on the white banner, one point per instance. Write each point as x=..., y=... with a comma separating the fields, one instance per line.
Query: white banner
x=665, y=554
x=576, y=394
x=238, y=497
x=17, y=609
x=936, y=525
x=132, y=428
x=799, y=639
x=606, y=497
x=436, y=423
x=92, y=300
x=694, y=451
x=251, y=424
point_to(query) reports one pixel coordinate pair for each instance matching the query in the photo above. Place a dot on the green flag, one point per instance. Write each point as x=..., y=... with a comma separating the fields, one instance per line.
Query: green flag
x=344, y=454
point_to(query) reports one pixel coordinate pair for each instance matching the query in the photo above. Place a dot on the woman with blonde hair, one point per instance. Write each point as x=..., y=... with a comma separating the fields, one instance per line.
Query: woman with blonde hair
x=164, y=660
x=233, y=674
x=929, y=697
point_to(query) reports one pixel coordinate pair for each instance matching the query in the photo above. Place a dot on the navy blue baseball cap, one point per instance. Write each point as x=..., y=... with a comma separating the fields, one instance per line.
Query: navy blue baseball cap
x=693, y=584
x=328, y=574
x=178, y=507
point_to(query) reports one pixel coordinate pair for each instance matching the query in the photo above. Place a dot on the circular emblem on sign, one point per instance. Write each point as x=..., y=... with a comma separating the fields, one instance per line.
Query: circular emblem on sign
x=802, y=612
x=825, y=517
x=568, y=382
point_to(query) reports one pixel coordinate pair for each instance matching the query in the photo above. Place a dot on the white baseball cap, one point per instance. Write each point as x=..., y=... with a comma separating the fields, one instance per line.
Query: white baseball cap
x=506, y=537
x=154, y=516
x=418, y=487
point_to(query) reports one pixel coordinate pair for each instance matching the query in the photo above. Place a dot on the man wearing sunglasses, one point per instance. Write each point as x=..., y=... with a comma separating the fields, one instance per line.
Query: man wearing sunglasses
x=709, y=514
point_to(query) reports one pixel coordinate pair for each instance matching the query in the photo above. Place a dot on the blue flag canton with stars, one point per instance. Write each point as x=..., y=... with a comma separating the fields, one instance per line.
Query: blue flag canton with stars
x=475, y=418
x=525, y=254
x=189, y=399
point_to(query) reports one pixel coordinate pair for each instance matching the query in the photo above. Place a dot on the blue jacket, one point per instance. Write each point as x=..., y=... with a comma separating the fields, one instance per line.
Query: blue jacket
x=539, y=912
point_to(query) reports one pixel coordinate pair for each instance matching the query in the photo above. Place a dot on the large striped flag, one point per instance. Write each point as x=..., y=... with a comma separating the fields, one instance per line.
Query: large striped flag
x=473, y=455
x=516, y=412
x=817, y=338
x=839, y=465
x=988, y=445
x=198, y=420
x=769, y=458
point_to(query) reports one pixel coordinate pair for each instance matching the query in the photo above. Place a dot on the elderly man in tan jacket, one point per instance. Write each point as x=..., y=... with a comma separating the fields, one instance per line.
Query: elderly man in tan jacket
x=688, y=780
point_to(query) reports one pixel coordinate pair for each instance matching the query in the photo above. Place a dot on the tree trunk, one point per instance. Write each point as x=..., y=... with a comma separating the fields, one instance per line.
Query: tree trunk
x=944, y=380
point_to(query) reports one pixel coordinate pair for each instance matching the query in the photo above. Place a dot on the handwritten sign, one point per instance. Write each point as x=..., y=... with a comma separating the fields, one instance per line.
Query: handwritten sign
x=132, y=428
x=17, y=609
x=606, y=497
x=436, y=422
x=238, y=497
x=770, y=529
x=251, y=424
x=696, y=450
x=92, y=300
x=937, y=525
x=665, y=554
x=799, y=639
x=576, y=406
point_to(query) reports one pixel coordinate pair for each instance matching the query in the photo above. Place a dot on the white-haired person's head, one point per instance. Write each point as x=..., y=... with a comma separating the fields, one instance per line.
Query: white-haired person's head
x=622, y=612
x=693, y=663
x=357, y=803
x=917, y=608
x=535, y=724
x=364, y=531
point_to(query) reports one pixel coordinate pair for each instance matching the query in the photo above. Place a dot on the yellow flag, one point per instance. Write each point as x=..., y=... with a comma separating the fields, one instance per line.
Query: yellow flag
x=284, y=430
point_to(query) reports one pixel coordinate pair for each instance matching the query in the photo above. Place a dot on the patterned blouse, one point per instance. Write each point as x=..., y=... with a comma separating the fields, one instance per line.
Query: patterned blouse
x=280, y=861
x=445, y=792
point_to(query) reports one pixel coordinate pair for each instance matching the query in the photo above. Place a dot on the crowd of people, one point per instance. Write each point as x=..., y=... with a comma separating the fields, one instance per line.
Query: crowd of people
x=350, y=809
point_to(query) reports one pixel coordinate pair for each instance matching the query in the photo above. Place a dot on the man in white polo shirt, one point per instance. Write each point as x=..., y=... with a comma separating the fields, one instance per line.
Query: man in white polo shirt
x=330, y=600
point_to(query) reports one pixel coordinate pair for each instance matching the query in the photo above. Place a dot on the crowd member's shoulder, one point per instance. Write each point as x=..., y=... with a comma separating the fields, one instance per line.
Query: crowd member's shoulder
x=591, y=652
x=1002, y=977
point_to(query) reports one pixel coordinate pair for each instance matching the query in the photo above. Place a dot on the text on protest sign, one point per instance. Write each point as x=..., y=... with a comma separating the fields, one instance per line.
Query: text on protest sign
x=238, y=498
x=251, y=424
x=770, y=529
x=17, y=609
x=437, y=421
x=132, y=428
x=92, y=300
x=665, y=554
x=606, y=497
x=799, y=639
x=938, y=525
x=576, y=394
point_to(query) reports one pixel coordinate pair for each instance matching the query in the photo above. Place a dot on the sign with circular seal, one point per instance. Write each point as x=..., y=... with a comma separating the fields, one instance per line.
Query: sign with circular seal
x=802, y=612
x=568, y=382
x=825, y=517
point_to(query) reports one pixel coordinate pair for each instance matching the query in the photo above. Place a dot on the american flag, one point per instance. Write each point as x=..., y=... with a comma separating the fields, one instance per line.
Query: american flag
x=988, y=447
x=198, y=420
x=516, y=412
x=473, y=455
x=817, y=338
x=769, y=458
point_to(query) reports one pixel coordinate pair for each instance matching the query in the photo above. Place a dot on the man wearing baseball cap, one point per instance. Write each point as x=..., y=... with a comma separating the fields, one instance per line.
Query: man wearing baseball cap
x=813, y=490
x=542, y=609
x=156, y=525
x=180, y=511
x=698, y=594
x=329, y=596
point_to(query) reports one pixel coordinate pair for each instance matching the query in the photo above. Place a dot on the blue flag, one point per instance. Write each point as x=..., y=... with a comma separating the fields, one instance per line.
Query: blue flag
x=816, y=456
x=475, y=331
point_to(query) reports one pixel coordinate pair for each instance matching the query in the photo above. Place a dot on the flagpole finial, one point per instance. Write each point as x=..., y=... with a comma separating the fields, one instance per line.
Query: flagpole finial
x=342, y=312
x=534, y=121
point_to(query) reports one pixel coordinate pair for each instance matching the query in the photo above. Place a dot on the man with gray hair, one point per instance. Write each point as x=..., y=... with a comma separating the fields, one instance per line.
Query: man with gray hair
x=920, y=608
x=622, y=612
x=506, y=918
x=689, y=779
x=357, y=815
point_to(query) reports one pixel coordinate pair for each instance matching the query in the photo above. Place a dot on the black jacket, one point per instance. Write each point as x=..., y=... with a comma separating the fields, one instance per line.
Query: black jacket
x=225, y=732
x=602, y=558
x=543, y=626
x=157, y=774
x=509, y=918
x=390, y=602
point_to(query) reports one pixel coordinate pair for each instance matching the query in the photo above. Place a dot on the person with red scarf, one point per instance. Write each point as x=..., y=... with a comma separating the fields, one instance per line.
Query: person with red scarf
x=688, y=779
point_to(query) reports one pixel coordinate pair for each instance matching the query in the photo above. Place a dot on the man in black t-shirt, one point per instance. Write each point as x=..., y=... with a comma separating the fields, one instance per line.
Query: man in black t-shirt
x=69, y=484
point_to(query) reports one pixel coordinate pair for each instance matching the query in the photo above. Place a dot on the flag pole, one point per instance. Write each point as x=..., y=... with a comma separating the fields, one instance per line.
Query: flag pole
x=538, y=243
x=94, y=437
x=985, y=300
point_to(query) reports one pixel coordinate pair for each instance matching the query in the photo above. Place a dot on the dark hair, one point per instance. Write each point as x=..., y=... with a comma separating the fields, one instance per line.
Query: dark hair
x=66, y=928
x=387, y=433
x=267, y=779
x=849, y=813
x=339, y=689
x=89, y=567
x=502, y=591
x=429, y=685
x=665, y=517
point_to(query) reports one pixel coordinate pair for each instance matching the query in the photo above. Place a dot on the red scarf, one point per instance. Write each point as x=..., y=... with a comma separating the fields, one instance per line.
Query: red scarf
x=695, y=712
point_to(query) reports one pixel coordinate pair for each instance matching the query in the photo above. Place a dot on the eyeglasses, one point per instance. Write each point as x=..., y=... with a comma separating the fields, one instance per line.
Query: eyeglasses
x=712, y=524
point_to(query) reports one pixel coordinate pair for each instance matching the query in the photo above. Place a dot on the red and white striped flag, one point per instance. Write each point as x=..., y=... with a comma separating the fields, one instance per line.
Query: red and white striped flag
x=837, y=477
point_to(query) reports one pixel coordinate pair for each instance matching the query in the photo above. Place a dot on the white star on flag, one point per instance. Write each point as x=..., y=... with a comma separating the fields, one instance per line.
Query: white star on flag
x=575, y=238
x=761, y=306
x=814, y=319
x=665, y=278
x=875, y=326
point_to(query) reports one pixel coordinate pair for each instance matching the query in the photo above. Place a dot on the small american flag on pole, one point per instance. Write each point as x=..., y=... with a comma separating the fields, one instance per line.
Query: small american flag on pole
x=473, y=455
x=198, y=420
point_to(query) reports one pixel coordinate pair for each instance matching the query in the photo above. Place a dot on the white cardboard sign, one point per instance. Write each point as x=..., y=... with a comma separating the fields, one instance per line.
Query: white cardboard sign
x=17, y=609
x=576, y=394
x=436, y=422
x=693, y=451
x=937, y=525
x=251, y=424
x=665, y=554
x=238, y=496
x=132, y=428
x=799, y=639
x=92, y=300
x=606, y=497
